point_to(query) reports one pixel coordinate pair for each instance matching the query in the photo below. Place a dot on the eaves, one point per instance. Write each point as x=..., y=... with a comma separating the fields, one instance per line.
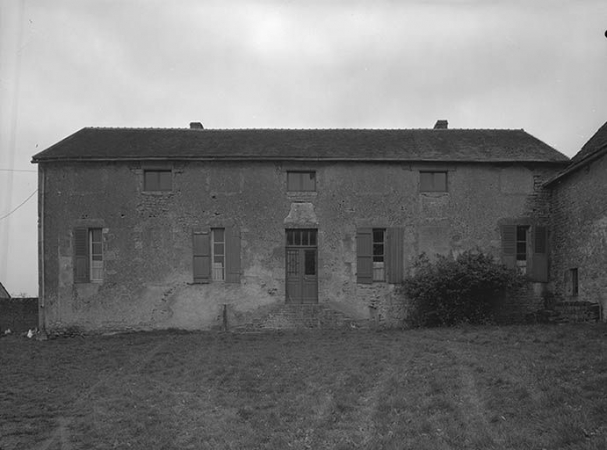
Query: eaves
x=576, y=166
x=303, y=158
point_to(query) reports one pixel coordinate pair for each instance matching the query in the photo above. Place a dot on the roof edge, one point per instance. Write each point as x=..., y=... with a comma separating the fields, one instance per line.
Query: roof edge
x=303, y=158
x=577, y=165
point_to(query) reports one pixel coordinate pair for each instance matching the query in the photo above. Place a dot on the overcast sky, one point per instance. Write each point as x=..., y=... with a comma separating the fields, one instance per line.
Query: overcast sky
x=540, y=65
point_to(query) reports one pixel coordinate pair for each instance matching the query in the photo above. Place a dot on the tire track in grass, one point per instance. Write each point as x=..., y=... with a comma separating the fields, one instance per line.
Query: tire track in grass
x=473, y=410
x=61, y=433
x=371, y=402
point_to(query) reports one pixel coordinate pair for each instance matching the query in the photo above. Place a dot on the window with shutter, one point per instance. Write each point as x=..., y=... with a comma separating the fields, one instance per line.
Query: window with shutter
x=379, y=255
x=96, y=255
x=526, y=247
x=379, y=252
x=201, y=247
x=81, y=255
x=364, y=256
x=539, y=262
x=509, y=245
x=88, y=255
x=395, y=255
x=233, y=255
x=218, y=254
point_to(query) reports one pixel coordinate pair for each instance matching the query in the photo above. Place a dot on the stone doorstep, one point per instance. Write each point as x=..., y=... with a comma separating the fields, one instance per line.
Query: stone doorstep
x=577, y=312
x=304, y=316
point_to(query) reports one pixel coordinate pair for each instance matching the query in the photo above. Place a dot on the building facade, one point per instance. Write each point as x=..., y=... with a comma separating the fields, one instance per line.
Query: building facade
x=579, y=226
x=145, y=228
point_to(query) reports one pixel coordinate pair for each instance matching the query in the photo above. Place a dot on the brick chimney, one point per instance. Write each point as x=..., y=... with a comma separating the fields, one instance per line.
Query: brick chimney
x=441, y=125
x=196, y=126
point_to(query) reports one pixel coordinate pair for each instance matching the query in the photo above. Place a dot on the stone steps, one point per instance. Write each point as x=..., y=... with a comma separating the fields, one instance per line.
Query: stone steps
x=577, y=312
x=306, y=316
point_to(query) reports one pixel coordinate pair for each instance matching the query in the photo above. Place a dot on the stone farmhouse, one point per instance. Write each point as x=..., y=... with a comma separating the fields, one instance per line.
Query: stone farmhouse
x=579, y=227
x=195, y=228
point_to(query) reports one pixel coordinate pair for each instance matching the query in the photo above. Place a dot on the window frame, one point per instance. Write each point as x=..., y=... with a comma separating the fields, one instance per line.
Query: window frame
x=218, y=274
x=204, y=251
x=95, y=265
x=379, y=272
x=91, y=252
x=536, y=263
x=158, y=189
x=300, y=180
x=301, y=237
x=393, y=255
x=522, y=239
x=433, y=188
x=574, y=280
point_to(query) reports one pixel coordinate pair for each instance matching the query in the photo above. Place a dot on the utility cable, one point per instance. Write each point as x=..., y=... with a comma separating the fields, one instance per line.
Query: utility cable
x=20, y=205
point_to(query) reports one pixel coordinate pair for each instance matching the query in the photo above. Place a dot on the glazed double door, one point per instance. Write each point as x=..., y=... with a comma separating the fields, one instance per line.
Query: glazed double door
x=302, y=267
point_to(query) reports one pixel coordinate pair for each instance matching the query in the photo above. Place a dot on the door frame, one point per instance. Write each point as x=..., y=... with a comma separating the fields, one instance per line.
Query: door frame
x=311, y=244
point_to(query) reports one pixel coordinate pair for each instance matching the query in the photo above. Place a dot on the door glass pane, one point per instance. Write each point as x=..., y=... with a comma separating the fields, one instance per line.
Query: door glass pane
x=218, y=234
x=304, y=237
x=290, y=237
x=297, y=237
x=521, y=233
x=312, y=237
x=310, y=262
x=292, y=262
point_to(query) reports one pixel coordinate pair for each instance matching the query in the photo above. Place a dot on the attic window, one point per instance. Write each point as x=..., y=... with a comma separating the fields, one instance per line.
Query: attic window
x=433, y=181
x=301, y=181
x=158, y=180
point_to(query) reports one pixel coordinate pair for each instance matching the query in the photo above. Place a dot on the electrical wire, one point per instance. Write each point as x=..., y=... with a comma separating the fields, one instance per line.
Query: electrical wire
x=20, y=205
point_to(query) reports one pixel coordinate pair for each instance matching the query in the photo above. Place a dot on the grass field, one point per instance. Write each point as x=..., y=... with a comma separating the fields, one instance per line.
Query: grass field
x=532, y=387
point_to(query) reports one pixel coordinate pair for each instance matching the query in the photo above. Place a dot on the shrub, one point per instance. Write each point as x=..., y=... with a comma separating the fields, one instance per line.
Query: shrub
x=452, y=291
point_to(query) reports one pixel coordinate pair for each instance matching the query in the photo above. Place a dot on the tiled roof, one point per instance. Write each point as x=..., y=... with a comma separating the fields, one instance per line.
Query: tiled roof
x=311, y=144
x=3, y=292
x=596, y=143
x=591, y=150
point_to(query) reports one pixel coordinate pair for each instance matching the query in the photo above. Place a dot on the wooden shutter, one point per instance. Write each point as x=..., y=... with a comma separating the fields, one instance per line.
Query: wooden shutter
x=232, y=237
x=539, y=261
x=201, y=246
x=394, y=255
x=364, y=256
x=81, y=255
x=509, y=245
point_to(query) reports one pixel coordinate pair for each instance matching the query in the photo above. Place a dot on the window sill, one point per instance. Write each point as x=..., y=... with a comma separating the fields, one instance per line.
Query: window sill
x=302, y=194
x=158, y=193
x=434, y=194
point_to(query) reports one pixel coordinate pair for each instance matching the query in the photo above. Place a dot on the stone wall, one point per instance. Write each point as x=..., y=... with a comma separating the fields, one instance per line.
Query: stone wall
x=147, y=237
x=579, y=234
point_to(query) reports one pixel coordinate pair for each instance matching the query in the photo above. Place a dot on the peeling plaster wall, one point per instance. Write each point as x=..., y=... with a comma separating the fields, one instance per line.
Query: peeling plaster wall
x=147, y=237
x=579, y=234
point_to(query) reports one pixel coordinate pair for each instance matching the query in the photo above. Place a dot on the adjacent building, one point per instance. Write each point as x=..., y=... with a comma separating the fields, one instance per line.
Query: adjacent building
x=579, y=226
x=190, y=228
